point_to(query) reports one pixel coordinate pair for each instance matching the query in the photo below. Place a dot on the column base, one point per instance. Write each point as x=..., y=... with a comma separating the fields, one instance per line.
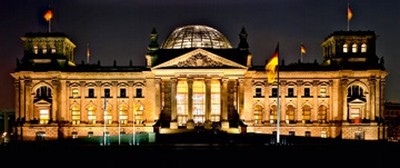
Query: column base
x=225, y=125
x=190, y=124
x=173, y=125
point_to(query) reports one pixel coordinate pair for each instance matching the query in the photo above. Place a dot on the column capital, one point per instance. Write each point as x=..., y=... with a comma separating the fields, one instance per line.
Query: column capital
x=299, y=83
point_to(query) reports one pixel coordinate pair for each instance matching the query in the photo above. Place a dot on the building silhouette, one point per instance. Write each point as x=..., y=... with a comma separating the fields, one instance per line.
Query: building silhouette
x=196, y=79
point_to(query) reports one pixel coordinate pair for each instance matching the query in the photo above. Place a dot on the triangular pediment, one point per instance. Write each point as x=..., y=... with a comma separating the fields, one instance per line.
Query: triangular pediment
x=199, y=58
x=42, y=103
x=357, y=101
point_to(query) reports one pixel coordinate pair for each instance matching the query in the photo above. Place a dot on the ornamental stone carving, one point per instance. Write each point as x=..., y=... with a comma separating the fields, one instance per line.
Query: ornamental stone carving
x=199, y=60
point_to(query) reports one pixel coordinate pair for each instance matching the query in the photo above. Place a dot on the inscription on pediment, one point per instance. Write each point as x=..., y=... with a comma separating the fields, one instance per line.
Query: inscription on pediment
x=199, y=60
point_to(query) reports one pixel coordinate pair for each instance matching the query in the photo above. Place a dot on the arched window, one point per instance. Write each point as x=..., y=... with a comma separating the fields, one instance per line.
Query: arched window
x=257, y=114
x=306, y=113
x=363, y=48
x=76, y=114
x=354, y=48
x=290, y=113
x=123, y=114
x=322, y=113
x=273, y=113
x=355, y=91
x=91, y=115
x=345, y=48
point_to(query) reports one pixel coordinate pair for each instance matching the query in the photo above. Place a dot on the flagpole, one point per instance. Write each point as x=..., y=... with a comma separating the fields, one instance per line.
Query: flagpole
x=119, y=124
x=278, y=121
x=348, y=18
x=50, y=26
x=104, y=118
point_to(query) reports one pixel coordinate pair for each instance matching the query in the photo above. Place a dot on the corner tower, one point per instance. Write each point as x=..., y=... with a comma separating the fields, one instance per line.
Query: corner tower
x=46, y=51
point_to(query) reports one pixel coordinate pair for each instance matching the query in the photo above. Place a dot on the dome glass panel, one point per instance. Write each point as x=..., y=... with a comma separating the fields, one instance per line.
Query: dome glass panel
x=196, y=36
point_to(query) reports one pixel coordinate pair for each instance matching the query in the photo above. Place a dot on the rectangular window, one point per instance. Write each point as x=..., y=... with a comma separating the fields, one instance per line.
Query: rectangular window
x=274, y=92
x=91, y=93
x=122, y=92
x=75, y=93
x=290, y=92
x=107, y=92
x=258, y=92
x=139, y=92
x=308, y=134
x=307, y=92
x=90, y=134
x=322, y=91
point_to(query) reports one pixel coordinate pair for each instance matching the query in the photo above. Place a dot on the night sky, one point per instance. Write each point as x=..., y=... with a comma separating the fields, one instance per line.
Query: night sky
x=119, y=29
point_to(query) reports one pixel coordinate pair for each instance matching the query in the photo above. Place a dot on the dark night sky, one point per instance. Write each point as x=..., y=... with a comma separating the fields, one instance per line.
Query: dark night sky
x=119, y=29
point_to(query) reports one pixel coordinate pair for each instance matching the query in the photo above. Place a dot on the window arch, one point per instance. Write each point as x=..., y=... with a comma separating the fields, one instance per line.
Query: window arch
x=363, y=48
x=91, y=114
x=322, y=113
x=354, y=48
x=307, y=113
x=257, y=112
x=76, y=114
x=345, y=48
x=290, y=113
x=273, y=113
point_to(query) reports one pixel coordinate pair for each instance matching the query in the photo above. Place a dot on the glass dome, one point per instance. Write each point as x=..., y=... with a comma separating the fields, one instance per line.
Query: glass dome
x=196, y=36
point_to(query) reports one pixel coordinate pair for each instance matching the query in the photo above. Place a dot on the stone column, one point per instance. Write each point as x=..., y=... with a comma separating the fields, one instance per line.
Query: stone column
x=158, y=100
x=314, y=114
x=330, y=94
x=266, y=111
x=241, y=98
x=54, y=109
x=100, y=103
x=380, y=98
x=371, y=110
x=343, y=87
x=298, y=115
x=174, y=122
x=190, y=99
x=83, y=113
x=190, y=122
x=224, y=104
x=282, y=97
x=17, y=94
x=208, y=99
x=28, y=101
x=115, y=102
x=131, y=101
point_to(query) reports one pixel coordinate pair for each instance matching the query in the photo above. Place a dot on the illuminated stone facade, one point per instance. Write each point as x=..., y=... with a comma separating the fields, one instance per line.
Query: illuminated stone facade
x=190, y=83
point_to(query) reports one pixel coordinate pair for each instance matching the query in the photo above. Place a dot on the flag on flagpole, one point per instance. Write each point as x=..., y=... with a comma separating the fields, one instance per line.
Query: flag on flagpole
x=272, y=64
x=349, y=13
x=48, y=15
x=303, y=49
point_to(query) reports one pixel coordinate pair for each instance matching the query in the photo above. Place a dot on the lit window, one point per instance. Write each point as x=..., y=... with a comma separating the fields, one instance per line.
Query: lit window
x=354, y=48
x=322, y=91
x=53, y=50
x=75, y=93
x=35, y=49
x=345, y=48
x=74, y=135
x=44, y=50
x=364, y=48
x=91, y=115
x=76, y=114
x=123, y=115
x=44, y=116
